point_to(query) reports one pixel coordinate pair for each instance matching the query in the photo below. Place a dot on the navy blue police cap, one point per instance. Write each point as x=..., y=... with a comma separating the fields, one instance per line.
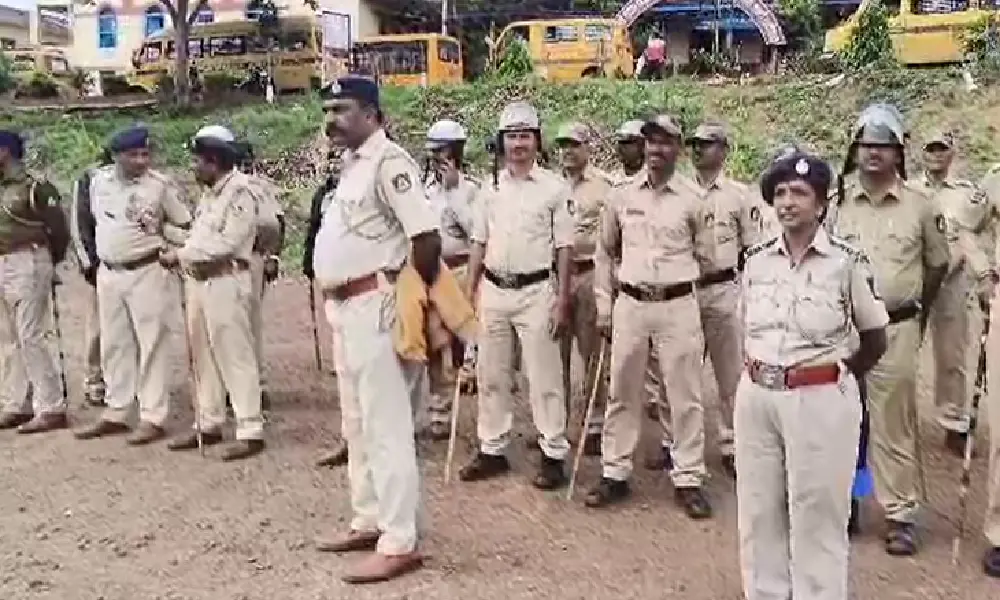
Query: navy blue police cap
x=355, y=87
x=12, y=141
x=132, y=138
x=799, y=165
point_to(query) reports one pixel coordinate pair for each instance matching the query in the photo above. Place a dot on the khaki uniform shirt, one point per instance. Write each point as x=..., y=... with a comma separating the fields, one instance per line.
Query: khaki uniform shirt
x=133, y=217
x=620, y=178
x=522, y=222
x=964, y=206
x=810, y=312
x=455, y=210
x=903, y=233
x=225, y=223
x=589, y=195
x=378, y=206
x=737, y=220
x=660, y=235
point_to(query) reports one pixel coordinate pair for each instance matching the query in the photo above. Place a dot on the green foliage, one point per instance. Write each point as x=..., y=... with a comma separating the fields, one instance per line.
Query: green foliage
x=803, y=22
x=870, y=46
x=516, y=62
x=982, y=45
x=38, y=85
x=7, y=82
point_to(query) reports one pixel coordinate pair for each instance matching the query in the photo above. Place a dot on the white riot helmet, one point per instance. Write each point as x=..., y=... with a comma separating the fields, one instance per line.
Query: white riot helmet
x=443, y=133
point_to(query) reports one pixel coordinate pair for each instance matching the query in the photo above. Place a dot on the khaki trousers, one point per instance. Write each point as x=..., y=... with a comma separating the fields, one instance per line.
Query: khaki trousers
x=724, y=342
x=377, y=392
x=522, y=314
x=950, y=323
x=674, y=327
x=258, y=285
x=93, y=380
x=27, y=349
x=893, y=415
x=796, y=451
x=222, y=347
x=135, y=309
x=992, y=524
x=583, y=330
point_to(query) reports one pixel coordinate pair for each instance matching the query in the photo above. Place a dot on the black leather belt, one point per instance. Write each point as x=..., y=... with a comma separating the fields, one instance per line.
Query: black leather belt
x=657, y=293
x=132, y=265
x=909, y=310
x=718, y=277
x=579, y=267
x=515, y=281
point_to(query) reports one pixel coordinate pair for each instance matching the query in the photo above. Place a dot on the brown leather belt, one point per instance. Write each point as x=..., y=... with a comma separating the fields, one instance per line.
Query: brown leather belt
x=715, y=277
x=210, y=270
x=657, y=293
x=775, y=377
x=356, y=287
x=579, y=267
x=905, y=312
x=132, y=265
x=455, y=262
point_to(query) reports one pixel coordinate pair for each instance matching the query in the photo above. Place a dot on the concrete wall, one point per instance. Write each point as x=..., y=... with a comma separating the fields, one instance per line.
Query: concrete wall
x=15, y=27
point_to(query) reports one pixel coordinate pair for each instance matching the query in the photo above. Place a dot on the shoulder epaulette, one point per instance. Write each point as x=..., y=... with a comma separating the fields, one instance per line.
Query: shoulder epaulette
x=758, y=248
x=853, y=251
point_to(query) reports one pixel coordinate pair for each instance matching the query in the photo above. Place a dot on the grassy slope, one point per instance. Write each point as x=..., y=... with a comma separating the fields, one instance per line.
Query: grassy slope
x=761, y=116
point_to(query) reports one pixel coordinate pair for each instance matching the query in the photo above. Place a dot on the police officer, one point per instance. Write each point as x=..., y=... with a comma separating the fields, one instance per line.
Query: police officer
x=991, y=528
x=630, y=148
x=264, y=261
x=33, y=238
x=590, y=191
x=86, y=252
x=903, y=232
x=661, y=231
x=215, y=260
x=378, y=216
x=737, y=228
x=523, y=220
x=452, y=194
x=951, y=320
x=132, y=214
x=809, y=296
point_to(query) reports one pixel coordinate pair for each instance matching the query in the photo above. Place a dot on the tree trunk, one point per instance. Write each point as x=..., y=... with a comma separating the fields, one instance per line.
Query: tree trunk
x=182, y=86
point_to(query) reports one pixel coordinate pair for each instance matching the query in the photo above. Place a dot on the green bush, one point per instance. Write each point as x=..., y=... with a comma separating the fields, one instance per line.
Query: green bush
x=220, y=82
x=870, y=46
x=6, y=74
x=982, y=46
x=38, y=85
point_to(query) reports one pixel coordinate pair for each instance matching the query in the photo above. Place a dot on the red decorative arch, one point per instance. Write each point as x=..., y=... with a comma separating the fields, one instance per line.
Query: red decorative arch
x=759, y=12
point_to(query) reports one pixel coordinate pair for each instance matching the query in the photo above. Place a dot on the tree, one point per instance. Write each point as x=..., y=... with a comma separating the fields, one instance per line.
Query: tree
x=182, y=15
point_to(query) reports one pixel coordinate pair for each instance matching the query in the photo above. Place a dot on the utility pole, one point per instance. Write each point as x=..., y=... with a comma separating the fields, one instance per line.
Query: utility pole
x=444, y=17
x=718, y=17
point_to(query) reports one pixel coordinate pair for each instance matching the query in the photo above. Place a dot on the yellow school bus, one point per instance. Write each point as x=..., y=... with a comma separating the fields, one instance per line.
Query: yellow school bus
x=411, y=59
x=569, y=49
x=919, y=35
x=237, y=47
x=25, y=62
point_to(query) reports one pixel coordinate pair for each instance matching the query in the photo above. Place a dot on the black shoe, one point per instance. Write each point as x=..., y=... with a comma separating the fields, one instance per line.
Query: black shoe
x=900, y=539
x=729, y=465
x=854, y=522
x=607, y=491
x=694, y=502
x=991, y=562
x=484, y=466
x=592, y=444
x=551, y=474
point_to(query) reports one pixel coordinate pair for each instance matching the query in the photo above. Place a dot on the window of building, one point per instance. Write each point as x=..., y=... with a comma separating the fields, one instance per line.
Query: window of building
x=107, y=28
x=205, y=15
x=156, y=20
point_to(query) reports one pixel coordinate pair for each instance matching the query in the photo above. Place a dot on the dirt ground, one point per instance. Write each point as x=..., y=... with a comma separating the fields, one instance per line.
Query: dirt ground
x=98, y=520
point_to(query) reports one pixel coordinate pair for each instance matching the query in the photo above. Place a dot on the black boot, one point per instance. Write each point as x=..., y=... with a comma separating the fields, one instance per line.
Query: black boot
x=484, y=466
x=551, y=474
x=607, y=491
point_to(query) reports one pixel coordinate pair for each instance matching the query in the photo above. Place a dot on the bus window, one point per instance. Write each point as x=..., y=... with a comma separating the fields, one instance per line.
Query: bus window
x=293, y=41
x=258, y=44
x=597, y=33
x=449, y=52
x=194, y=49
x=152, y=52
x=555, y=34
x=396, y=58
x=227, y=46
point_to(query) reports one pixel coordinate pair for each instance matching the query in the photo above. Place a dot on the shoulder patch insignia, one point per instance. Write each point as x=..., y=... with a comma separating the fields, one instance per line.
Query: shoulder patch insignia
x=401, y=183
x=940, y=223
